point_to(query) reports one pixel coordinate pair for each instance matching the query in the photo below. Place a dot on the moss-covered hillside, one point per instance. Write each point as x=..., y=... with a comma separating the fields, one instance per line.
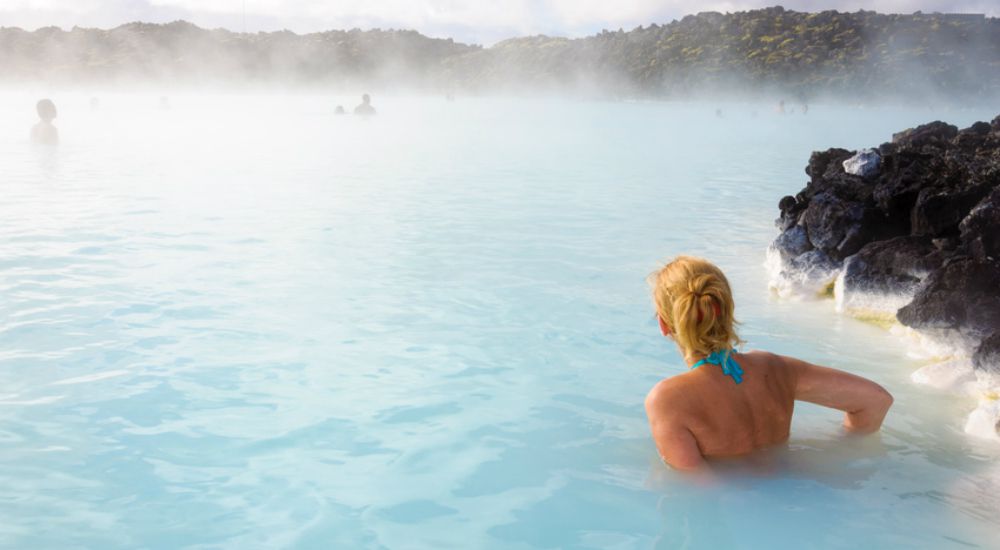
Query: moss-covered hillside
x=802, y=54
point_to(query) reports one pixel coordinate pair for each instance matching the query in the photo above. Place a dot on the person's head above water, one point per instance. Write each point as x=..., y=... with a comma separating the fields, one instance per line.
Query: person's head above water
x=695, y=307
x=46, y=110
x=366, y=99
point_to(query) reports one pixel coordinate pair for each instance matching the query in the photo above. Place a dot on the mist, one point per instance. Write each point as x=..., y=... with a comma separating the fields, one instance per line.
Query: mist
x=770, y=53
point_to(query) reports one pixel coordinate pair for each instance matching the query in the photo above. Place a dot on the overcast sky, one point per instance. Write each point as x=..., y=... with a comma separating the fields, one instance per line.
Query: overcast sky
x=476, y=21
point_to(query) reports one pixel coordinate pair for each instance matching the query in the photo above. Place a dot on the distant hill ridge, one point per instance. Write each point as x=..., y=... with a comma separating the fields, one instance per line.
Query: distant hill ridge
x=769, y=50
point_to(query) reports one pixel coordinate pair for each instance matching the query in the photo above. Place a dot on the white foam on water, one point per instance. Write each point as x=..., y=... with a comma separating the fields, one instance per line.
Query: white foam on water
x=868, y=305
x=984, y=421
x=952, y=370
x=934, y=344
x=791, y=282
x=956, y=375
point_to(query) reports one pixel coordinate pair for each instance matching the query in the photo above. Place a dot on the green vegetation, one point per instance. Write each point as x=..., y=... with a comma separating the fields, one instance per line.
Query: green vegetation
x=182, y=52
x=861, y=53
x=858, y=54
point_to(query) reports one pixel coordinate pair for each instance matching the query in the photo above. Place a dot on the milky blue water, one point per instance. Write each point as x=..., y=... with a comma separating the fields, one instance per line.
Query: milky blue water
x=246, y=323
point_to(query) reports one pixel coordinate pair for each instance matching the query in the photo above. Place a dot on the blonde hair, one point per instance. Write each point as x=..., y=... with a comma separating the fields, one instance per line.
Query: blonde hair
x=693, y=298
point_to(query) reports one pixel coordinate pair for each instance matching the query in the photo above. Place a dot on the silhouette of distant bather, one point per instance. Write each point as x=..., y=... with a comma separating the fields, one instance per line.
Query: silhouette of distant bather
x=339, y=110
x=44, y=132
x=365, y=108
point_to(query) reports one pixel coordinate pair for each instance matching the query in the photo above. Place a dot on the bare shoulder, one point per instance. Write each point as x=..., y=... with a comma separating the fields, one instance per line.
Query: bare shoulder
x=664, y=388
x=763, y=357
x=766, y=359
x=666, y=395
x=773, y=365
x=674, y=441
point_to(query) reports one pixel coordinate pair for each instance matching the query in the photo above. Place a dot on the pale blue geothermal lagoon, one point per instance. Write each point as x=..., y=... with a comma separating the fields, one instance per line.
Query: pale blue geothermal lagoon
x=244, y=322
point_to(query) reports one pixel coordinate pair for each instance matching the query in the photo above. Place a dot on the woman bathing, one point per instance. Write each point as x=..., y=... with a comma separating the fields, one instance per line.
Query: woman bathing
x=733, y=403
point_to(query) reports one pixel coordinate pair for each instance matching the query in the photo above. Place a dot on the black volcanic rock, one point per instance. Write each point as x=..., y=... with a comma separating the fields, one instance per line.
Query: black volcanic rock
x=823, y=163
x=893, y=266
x=828, y=220
x=979, y=229
x=934, y=133
x=925, y=227
x=987, y=356
x=840, y=227
x=793, y=243
x=964, y=295
x=938, y=212
x=979, y=128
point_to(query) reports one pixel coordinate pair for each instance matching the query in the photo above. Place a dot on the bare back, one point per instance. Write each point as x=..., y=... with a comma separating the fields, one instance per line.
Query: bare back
x=730, y=419
x=704, y=413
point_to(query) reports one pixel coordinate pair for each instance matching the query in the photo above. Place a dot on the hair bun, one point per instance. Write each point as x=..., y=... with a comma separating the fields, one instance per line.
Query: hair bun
x=694, y=299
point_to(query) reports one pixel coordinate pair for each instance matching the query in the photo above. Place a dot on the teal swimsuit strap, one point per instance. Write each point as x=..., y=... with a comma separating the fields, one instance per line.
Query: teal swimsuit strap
x=725, y=359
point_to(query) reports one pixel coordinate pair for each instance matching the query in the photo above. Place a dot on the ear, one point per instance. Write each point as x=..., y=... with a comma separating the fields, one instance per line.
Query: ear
x=664, y=327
